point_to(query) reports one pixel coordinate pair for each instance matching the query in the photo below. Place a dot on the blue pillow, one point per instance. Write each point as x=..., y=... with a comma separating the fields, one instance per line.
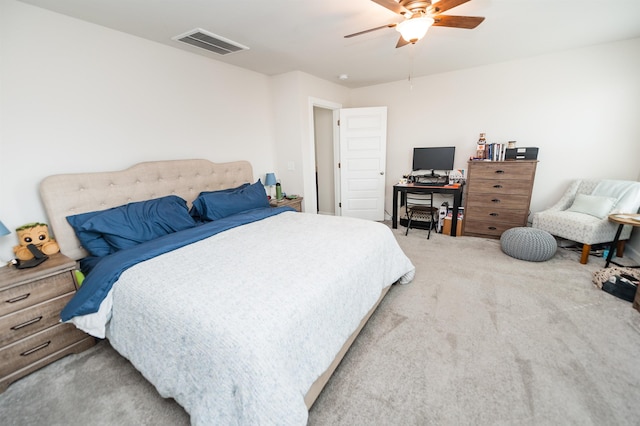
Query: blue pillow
x=92, y=241
x=219, y=204
x=199, y=205
x=134, y=223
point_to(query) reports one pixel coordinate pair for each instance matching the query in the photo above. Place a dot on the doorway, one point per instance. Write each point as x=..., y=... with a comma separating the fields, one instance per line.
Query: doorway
x=324, y=139
x=325, y=160
x=361, y=150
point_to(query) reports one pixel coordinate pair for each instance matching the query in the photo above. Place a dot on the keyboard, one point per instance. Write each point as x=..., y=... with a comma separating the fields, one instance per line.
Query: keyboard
x=429, y=183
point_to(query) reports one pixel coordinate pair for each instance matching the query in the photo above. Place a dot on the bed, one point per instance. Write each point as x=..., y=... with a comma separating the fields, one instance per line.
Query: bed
x=241, y=318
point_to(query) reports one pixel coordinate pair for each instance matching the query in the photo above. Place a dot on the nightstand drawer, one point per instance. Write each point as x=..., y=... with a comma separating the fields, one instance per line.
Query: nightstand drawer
x=15, y=298
x=37, y=346
x=20, y=324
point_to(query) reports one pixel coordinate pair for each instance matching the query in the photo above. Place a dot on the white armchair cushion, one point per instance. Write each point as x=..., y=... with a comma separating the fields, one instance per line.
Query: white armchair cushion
x=626, y=192
x=593, y=205
x=579, y=227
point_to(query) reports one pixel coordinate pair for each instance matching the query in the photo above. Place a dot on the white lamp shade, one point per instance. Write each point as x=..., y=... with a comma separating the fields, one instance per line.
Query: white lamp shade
x=414, y=29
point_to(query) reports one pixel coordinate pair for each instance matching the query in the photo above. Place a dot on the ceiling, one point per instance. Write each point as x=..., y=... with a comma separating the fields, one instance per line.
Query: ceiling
x=307, y=35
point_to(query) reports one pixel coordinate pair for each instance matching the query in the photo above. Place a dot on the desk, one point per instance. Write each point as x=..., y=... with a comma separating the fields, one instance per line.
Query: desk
x=621, y=219
x=402, y=189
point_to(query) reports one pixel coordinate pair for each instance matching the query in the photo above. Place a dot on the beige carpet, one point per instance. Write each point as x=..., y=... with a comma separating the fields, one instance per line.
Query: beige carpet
x=478, y=338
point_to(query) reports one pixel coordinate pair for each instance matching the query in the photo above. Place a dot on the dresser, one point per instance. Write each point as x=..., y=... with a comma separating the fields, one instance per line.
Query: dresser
x=498, y=195
x=31, y=335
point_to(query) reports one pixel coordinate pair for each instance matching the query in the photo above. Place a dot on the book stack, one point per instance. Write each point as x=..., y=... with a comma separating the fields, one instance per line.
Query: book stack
x=496, y=151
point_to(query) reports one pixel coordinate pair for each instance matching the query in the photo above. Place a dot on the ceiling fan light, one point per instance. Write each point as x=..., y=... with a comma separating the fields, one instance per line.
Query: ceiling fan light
x=414, y=29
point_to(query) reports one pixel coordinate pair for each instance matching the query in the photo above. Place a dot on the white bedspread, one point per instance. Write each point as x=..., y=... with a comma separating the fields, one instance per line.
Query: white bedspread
x=238, y=326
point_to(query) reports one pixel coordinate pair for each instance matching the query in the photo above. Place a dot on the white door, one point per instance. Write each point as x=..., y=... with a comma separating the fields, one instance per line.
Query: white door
x=363, y=149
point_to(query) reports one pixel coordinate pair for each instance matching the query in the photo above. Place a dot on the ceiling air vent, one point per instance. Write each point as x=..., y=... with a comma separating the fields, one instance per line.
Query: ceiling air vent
x=209, y=41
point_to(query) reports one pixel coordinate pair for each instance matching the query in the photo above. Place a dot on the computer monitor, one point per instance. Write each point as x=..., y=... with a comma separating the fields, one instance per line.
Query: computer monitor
x=434, y=158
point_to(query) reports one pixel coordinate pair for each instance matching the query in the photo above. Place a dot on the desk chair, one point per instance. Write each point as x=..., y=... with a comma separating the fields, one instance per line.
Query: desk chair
x=420, y=207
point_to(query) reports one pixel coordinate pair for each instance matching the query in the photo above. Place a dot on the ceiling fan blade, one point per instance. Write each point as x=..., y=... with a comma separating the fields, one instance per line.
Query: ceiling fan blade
x=392, y=6
x=444, y=5
x=370, y=30
x=467, y=22
x=401, y=42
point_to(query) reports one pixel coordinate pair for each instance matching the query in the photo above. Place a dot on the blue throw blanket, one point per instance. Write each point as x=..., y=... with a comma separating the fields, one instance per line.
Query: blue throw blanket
x=106, y=272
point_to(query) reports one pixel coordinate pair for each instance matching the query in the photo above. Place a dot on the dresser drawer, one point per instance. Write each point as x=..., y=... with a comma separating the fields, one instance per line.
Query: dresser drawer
x=499, y=186
x=496, y=201
x=503, y=170
x=485, y=228
x=17, y=325
x=517, y=217
x=24, y=352
x=19, y=297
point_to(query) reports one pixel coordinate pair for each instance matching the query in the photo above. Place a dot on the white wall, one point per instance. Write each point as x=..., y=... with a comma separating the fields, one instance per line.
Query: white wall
x=77, y=97
x=580, y=107
x=293, y=93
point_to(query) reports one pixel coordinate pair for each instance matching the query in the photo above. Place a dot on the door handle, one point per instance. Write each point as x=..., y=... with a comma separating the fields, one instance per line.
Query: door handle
x=381, y=173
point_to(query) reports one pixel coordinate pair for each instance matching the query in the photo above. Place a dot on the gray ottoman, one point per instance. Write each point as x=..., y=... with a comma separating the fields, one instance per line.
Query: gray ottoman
x=534, y=245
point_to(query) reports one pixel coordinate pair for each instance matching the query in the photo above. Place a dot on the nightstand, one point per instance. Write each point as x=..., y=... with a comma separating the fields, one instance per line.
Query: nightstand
x=296, y=203
x=31, y=334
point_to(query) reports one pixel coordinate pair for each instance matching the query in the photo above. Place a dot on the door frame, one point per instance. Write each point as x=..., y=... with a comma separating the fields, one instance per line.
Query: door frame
x=310, y=172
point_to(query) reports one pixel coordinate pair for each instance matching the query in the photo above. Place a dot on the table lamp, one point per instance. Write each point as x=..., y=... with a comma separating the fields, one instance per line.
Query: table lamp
x=3, y=231
x=269, y=181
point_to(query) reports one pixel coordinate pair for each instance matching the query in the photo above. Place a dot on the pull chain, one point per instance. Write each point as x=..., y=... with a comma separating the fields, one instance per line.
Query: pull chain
x=411, y=66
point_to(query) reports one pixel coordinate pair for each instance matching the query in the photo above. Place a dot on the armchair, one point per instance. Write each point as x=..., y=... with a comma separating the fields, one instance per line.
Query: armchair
x=581, y=215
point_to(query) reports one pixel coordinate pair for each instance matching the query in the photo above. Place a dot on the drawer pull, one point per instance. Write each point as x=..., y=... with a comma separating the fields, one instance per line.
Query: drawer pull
x=494, y=214
x=19, y=298
x=36, y=349
x=24, y=324
x=493, y=228
x=497, y=186
x=499, y=171
x=495, y=200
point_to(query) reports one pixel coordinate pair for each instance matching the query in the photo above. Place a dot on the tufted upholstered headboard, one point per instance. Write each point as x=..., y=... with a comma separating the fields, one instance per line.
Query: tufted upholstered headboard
x=69, y=194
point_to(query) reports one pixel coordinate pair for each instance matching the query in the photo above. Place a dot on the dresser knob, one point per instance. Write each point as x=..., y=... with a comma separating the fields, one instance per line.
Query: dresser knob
x=495, y=200
x=499, y=171
x=497, y=186
x=493, y=228
x=494, y=214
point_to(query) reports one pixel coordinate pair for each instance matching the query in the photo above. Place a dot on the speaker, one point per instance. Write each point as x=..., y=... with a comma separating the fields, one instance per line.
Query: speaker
x=521, y=154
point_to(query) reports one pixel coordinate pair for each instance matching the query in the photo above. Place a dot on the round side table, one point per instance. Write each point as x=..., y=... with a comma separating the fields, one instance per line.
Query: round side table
x=622, y=219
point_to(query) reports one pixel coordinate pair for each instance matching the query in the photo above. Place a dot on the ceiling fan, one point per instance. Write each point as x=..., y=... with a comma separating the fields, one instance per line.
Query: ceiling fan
x=420, y=15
